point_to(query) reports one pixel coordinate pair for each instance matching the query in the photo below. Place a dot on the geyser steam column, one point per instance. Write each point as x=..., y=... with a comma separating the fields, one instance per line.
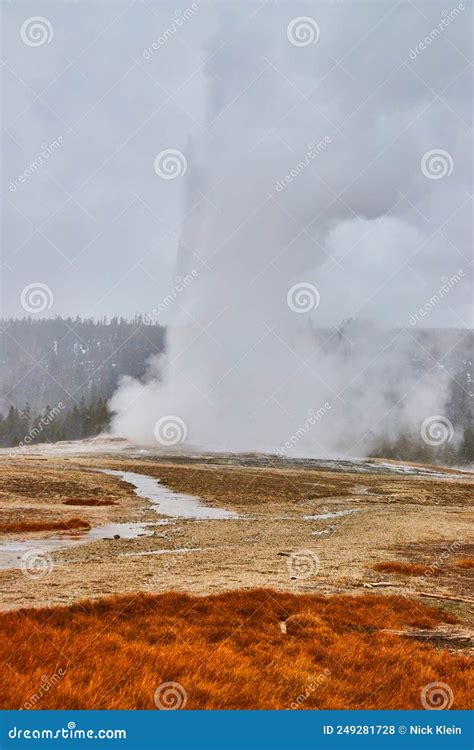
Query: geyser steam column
x=252, y=352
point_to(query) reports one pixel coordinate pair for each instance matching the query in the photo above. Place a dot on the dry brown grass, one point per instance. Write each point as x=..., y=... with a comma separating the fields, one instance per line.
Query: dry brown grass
x=259, y=486
x=228, y=652
x=26, y=482
x=406, y=569
x=468, y=563
x=90, y=503
x=23, y=526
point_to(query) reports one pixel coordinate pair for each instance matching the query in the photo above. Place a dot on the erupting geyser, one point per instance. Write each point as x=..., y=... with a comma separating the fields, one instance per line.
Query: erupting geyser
x=295, y=222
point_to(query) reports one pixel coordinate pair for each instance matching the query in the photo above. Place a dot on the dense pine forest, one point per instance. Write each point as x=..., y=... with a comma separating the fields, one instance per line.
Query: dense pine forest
x=22, y=427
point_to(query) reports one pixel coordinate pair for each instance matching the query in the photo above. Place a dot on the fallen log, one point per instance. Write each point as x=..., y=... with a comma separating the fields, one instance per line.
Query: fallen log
x=441, y=596
x=380, y=583
x=448, y=597
x=462, y=637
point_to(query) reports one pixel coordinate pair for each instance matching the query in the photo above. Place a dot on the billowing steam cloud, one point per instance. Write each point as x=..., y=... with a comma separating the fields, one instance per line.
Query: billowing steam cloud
x=306, y=208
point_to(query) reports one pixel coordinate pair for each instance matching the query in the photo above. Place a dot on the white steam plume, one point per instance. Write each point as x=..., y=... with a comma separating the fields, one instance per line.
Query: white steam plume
x=245, y=369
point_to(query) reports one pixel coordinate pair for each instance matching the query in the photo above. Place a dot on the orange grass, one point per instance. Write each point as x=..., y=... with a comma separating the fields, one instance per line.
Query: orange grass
x=227, y=651
x=68, y=525
x=467, y=563
x=406, y=569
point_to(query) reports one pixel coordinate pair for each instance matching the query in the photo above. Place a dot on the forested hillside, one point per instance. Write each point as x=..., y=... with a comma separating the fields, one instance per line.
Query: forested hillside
x=67, y=368
x=46, y=361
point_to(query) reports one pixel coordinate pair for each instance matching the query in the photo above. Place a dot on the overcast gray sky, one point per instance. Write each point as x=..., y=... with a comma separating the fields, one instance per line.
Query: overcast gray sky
x=377, y=220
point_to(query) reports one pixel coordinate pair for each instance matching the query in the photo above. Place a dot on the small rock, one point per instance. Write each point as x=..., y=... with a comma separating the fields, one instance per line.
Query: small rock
x=116, y=536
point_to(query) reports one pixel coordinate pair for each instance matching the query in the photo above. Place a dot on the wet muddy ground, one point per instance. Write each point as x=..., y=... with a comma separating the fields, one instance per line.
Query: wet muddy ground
x=205, y=524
